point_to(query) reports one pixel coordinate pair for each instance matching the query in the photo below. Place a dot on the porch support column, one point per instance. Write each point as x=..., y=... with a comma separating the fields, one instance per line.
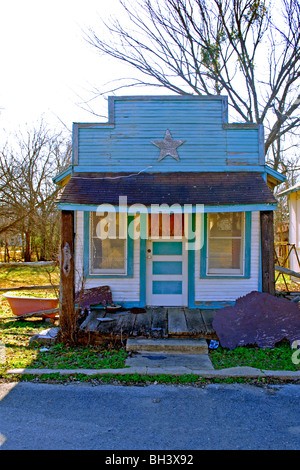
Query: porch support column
x=67, y=287
x=267, y=252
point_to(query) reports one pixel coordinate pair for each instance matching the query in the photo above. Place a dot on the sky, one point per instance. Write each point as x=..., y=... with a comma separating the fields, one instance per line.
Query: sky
x=47, y=67
x=48, y=70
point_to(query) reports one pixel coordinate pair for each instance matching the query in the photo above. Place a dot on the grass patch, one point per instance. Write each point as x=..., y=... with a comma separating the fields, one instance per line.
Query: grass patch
x=89, y=357
x=279, y=358
x=15, y=335
x=28, y=276
x=281, y=286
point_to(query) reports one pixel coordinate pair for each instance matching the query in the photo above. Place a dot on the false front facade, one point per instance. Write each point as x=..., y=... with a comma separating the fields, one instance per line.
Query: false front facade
x=168, y=204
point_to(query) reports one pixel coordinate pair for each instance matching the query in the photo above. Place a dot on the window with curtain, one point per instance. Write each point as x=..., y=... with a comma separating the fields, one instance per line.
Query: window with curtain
x=225, y=243
x=107, y=244
x=166, y=225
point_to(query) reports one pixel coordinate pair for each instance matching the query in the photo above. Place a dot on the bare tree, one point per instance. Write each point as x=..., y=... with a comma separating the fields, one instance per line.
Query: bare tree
x=27, y=193
x=247, y=49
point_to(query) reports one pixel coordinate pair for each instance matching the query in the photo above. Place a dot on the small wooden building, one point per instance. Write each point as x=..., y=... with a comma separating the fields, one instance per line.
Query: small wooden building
x=168, y=204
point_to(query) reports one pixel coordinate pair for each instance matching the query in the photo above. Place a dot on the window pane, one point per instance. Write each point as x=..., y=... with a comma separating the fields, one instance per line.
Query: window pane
x=166, y=225
x=108, y=253
x=224, y=254
x=225, y=224
x=105, y=226
x=225, y=243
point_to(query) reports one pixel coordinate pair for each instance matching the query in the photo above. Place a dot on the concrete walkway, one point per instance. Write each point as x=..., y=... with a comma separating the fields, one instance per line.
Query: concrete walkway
x=245, y=372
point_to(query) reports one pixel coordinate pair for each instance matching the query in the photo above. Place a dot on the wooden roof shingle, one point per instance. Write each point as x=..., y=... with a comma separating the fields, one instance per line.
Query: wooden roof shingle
x=210, y=188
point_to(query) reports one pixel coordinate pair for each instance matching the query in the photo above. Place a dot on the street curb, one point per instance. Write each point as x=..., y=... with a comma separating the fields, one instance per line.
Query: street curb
x=233, y=372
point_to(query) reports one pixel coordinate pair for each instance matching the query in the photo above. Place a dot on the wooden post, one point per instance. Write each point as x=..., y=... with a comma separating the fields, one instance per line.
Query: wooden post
x=267, y=252
x=67, y=287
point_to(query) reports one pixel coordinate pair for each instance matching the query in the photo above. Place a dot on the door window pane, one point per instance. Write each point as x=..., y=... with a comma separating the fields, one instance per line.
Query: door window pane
x=166, y=225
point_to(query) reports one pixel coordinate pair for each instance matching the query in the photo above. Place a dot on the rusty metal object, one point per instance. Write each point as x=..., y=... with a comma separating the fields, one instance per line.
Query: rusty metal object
x=94, y=296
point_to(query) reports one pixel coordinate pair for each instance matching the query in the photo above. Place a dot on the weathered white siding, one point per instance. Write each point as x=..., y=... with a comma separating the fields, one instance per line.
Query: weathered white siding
x=230, y=289
x=123, y=289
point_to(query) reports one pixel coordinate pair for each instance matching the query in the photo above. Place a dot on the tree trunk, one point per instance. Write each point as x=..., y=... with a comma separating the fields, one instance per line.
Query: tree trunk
x=67, y=287
x=27, y=253
x=267, y=252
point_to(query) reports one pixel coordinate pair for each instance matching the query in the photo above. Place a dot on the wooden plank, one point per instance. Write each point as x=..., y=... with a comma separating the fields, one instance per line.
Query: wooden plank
x=289, y=272
x=208, y=316
x=194, y=321
x=142, y=325
x=267, y=252
x=176, y=321
x=125, y=324
x=91, y=322
x=33, y=264
x=159, y=322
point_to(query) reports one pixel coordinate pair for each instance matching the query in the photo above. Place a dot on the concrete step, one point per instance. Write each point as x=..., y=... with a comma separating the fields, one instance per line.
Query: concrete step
x=165, y=360
x=168, y=345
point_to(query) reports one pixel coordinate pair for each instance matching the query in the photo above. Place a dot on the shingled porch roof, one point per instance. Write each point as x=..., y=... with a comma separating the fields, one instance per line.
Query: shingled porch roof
x=210, y=188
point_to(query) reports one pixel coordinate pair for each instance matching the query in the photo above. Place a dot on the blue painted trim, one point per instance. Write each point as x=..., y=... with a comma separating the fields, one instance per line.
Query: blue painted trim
x=248, y=233
x=259, y=287
x=205, y=305
x=191, y=265
x=206, y=209
x=275, y=174
x=128, y=304
x=168, y=98
x=125, y=304
x=203, y=249
x=247, y=265
x=86, y=252
x=62, y=175
x=165, y=168
x=214, y=304
x=143, y=232
x=241, y=208
x=75, y=156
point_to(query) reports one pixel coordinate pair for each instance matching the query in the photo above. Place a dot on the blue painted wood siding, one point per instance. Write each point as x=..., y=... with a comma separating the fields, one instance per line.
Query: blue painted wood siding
x=124, y=143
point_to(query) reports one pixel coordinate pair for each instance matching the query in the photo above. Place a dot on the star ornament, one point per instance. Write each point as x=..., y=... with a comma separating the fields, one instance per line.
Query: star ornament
x=168, y=146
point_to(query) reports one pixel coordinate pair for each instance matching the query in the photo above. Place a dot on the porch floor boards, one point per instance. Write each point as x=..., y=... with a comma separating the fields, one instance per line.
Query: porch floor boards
x=155, y=322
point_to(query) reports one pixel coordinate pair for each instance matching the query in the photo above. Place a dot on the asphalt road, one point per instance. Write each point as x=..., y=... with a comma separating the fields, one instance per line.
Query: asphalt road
x=155, y=417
